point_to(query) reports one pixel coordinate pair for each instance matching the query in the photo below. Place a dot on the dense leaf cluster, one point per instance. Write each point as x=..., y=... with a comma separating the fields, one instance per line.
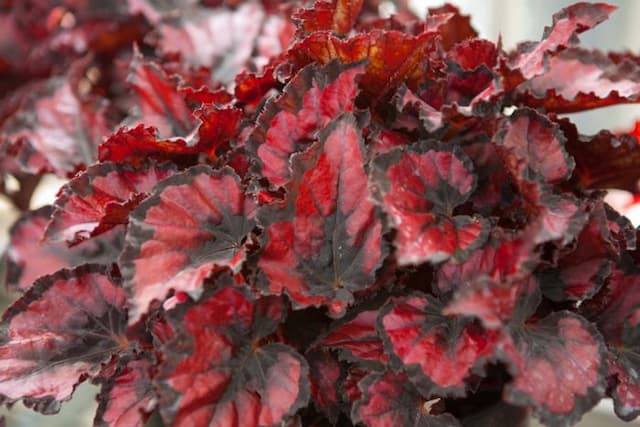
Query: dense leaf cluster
x=287, y=214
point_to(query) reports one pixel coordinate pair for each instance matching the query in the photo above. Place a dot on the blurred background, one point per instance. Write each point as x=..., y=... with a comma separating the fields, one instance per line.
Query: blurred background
x=513, y=21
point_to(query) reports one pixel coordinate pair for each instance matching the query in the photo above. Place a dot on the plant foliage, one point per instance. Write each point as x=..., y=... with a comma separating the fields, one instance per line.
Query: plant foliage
x=304, y=214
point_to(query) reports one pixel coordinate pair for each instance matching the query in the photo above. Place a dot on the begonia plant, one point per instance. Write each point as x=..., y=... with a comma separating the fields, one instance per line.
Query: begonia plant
x=286, y=213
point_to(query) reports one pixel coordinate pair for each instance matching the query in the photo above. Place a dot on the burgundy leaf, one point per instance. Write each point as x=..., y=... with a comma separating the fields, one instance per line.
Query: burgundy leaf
x=325, y=375
x=555, y=216
x=214, y=129
x=552, y=214
x=415, y=112
x=57, y=129
x=456, y=29
x=287, y=124
x=530, y=141
x=326, y=243
x=385, y=141
x=437, y=352
x=614, y=311
x=419, y=189
x=338, y=16
x=610, y=308
x=161, y=104
x=247, y=28
x=390, y=400
x=194, y=222
x=350, y=389
x=495, y=190
x=128, y=397
x=577, y=80
x=624, y=364
x=473, y=53
x=604, y=160
x=506, y=257
x=393, y=57
x=41, y=38
x=357, y=338
x=463, y=86
x=101, y=198
x=566, y=352
x=582, y=271
x=218, y=372
x=529, y=57
x=622, y=231
x=29, y=256
x=251, y=88
x=59, y=333
x=493, y=302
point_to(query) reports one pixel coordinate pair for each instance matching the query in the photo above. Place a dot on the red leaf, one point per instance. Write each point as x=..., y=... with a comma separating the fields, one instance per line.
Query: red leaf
x=357, y=338
x=338, y=16
x=57, y=129
x=437, y=352
x=566, y=351
x=248, y=28
x=495, y=189
x=624, y=366
x=505, y=258
x=59, y=333
x=350, y=390
x=493, y=302
x=553, y=216
x=463, y=87
x=390, y=400
x=287, y=124
x=215, y=128
x=194, y=222
x=615, y=302
x=419, y=189
x=128, y=397
x=325, y=375
x=29, y=256
x=161, y=104
x=393, y=57
x=604, y=160
x=577, y=80
x=415, y=112
x=456, y=29
x=326, y=243
x=385, y=141
x=530, y=142
x=614, y=310
x=101, y=198
x=471, y=54
x=582, y=270
x=251, y=88
x=621, y=229
x=217, y=371
x=529, y=57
